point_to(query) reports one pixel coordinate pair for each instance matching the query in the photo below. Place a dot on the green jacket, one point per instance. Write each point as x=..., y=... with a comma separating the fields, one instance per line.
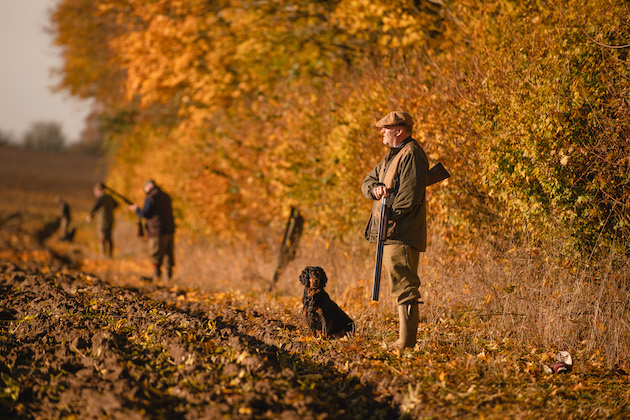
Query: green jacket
x=407, y=218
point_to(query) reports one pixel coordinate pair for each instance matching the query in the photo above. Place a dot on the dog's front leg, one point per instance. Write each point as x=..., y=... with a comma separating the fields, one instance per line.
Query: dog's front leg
x=323, y=322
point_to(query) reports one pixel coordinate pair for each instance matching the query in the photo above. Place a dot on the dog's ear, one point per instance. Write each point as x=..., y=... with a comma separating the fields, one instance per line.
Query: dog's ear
x=304, y=276
x=321, y=274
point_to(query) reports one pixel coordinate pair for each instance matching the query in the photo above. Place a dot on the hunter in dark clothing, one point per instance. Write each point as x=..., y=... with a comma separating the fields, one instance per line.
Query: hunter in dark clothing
x=103, y=208
x=158, y=212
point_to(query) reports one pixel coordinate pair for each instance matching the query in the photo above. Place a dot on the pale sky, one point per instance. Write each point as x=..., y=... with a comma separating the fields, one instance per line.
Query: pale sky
x=26, y=59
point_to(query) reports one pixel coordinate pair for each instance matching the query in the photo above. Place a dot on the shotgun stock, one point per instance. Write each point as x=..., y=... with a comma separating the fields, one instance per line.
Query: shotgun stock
x=437, y=174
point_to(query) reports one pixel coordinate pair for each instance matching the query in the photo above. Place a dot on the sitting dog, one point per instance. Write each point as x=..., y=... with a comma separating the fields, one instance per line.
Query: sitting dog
x=323, y=316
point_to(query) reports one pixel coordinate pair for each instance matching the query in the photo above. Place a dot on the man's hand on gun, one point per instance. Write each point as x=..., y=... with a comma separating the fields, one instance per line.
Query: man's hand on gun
x=380, y=191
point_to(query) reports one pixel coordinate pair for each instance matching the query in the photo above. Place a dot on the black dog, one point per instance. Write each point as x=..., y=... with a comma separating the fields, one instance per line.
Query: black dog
x=323, y=316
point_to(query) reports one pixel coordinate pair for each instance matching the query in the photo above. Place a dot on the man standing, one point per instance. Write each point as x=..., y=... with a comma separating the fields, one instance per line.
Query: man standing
x=104, y=208
x=402, y=177
x=158, y=211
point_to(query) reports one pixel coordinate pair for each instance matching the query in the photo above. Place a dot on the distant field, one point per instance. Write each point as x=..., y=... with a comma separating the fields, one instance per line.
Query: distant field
x=31, y=180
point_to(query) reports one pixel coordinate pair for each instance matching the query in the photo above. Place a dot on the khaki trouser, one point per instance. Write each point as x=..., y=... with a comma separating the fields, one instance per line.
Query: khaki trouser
x=401, y=263
x=160, y=247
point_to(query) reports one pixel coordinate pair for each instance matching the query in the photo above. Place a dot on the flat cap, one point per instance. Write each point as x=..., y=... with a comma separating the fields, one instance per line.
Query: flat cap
x=394, y=119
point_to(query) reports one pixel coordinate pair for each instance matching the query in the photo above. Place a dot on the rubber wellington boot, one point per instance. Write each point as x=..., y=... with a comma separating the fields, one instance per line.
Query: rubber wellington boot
x=408, y=318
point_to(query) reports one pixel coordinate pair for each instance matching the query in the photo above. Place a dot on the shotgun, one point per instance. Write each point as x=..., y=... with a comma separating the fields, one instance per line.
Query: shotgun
x=128, y=201
x=382, y=235
x=436, y=174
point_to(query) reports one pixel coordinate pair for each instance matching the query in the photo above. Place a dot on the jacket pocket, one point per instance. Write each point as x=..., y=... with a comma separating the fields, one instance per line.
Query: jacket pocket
x=392, y=229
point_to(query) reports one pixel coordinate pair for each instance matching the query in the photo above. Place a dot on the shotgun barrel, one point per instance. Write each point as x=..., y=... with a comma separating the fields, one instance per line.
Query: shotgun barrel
x=382, y=235
x=117, y=194
x=128, y=201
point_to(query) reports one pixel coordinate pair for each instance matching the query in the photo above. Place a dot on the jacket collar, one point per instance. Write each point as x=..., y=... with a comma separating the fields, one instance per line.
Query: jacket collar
x=393, y=151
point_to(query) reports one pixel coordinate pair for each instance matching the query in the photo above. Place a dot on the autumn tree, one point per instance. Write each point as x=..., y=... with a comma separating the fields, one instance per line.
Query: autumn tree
x=46, y=136
x=91, y=140
x=5, y=138
x=543, y=91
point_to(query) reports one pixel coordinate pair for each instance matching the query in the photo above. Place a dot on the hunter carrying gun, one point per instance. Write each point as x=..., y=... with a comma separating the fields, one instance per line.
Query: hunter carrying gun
x=103, y=209
x=397, y=224
x=158, y=211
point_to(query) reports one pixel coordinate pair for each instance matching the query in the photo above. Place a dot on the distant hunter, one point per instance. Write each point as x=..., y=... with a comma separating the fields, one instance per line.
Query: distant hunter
x=158, y=212
x=103, y=209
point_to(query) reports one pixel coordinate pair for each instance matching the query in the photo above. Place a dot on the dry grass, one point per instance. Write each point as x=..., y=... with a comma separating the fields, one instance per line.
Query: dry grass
x=537, y=297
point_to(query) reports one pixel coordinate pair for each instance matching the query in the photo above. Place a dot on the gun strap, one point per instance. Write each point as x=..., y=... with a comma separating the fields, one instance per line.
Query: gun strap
x=387, y=178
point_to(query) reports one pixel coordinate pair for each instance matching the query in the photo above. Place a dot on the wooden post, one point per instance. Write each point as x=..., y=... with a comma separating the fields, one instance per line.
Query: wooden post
x=290, y=241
